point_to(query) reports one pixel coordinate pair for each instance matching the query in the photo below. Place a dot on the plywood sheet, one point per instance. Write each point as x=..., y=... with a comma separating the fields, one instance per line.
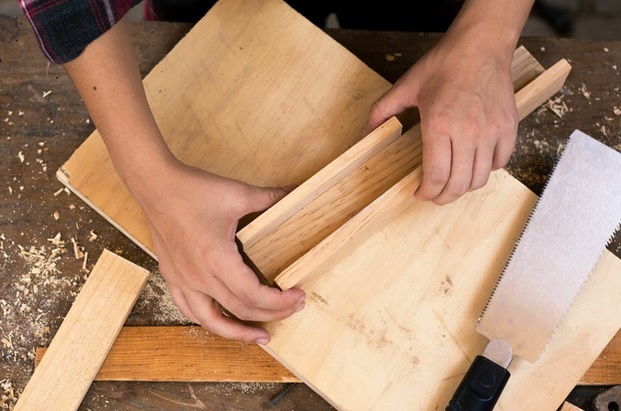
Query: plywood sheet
x=390, y=316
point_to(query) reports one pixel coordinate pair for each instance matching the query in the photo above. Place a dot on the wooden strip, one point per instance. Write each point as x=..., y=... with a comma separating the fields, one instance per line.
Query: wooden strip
x=84, y=338
x=183, y=353
x=190, y=354
x=527, y=99
x=542, y=88
x=606, y=370
x=330, y=198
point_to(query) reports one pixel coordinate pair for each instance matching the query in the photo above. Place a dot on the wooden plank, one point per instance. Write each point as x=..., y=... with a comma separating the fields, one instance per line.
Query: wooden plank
x=527, y=99
x=267, y=89
x=191, y=354
x=84, y=338
x=323, y=203
x=185, y=354
x=606, y=370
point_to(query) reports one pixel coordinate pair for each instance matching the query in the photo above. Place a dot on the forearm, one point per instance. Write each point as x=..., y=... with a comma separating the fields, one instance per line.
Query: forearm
x=107, y=78
x=495, y=24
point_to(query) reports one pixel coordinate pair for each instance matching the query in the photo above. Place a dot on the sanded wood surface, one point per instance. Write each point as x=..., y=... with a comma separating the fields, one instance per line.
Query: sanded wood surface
x=185, y=354
x=408, y=329
x=85, y=336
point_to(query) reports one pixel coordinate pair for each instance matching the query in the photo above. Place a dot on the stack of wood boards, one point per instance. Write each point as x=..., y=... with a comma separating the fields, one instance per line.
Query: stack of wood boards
x=395, y=287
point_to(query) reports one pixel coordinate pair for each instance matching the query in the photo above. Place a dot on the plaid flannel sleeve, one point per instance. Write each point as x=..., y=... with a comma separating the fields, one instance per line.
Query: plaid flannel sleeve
x=65, y=27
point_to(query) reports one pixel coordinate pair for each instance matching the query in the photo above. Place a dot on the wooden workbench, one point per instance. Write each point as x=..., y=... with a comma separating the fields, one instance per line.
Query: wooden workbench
x=42, y=121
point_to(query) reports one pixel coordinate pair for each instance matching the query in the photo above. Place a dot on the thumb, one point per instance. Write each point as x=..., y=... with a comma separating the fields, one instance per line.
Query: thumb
x=397, y=99
x=262, y=198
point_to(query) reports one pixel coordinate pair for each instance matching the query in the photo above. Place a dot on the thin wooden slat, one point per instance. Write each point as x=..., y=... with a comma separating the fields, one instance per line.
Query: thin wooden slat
x=326, y=201
x=185, y=354
x=189, y=353
x=527, y=99
x=84, y=338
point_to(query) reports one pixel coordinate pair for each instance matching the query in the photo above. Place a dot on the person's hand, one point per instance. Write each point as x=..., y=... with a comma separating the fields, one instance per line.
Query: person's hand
x=193, y=216
x=464, y=93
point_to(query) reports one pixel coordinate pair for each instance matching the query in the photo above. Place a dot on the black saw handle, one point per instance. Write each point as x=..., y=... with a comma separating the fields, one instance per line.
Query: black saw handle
x=481, y=387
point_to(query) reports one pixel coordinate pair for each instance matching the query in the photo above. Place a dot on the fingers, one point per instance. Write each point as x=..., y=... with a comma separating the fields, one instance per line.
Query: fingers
x=455, y=163
x=393, y=102
x=210, y=316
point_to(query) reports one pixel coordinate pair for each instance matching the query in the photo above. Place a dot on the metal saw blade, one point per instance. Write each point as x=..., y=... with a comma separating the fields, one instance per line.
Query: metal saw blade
x=567, y=232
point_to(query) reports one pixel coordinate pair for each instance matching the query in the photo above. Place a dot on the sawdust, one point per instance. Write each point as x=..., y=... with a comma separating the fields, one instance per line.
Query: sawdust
x=8, y=398
x=156, y=298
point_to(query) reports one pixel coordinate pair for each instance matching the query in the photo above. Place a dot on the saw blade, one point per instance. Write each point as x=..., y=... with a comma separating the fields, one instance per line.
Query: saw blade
x=567, y=232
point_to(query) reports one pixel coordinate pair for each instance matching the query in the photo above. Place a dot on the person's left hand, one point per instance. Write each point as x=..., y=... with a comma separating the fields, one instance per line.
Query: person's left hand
x=465, y=97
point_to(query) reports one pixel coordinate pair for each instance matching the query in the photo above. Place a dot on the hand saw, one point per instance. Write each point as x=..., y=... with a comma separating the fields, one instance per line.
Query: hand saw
x=566, y=234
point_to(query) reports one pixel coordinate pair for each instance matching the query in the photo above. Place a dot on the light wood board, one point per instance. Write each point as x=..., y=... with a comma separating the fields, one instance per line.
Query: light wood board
x=189, y=353
x=390, y=316
x=185, y=353
x=84, y=338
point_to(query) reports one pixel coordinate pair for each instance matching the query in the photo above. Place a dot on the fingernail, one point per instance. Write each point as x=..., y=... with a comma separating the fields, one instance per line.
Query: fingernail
x=262, y=341
x=300, y=306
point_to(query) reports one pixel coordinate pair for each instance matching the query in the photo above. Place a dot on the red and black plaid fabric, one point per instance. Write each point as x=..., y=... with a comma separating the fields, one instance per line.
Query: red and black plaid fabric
x=65, y=27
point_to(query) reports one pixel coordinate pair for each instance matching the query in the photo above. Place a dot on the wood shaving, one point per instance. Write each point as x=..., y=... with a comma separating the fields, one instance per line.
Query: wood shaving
x=557, y=106
x=617, y=111
x=76, y=250
x=57, y=192
x=56, y=215
x=21, y=157
x=92, y=236
x=586, y=93
x=47, y=93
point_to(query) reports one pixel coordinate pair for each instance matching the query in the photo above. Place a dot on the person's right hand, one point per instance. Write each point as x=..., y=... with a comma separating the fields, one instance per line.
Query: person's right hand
x=193, y=216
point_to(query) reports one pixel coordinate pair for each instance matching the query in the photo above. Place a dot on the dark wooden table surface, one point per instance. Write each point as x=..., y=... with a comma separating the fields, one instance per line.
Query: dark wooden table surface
x=42, y=121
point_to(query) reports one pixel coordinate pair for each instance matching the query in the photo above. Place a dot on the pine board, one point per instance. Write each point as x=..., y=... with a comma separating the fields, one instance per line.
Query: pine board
x=189, y=353
x=185, y=354
x=84, y=338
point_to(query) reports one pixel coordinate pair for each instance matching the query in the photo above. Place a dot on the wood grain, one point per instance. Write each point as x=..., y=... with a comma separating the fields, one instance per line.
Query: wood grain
x=85, y=336
x=189, y=353
x=185, y=354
